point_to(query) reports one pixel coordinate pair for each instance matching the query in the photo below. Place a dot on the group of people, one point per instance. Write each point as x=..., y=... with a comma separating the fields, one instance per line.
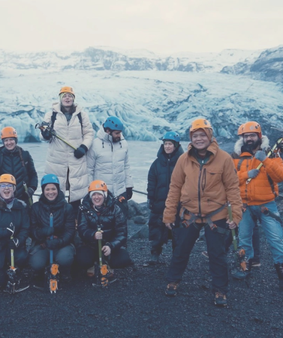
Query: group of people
x=187, y=191
x=96, y=172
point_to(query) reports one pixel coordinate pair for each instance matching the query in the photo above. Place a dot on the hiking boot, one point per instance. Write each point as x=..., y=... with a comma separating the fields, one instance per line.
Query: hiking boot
x=171, y=289
x=239, y=274
x=220, y=299
x=256, y=264
x=205, y=254
x=90, y=271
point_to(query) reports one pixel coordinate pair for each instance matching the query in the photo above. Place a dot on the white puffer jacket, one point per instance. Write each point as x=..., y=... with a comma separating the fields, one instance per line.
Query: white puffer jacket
x=109, y=162
x=60, y=157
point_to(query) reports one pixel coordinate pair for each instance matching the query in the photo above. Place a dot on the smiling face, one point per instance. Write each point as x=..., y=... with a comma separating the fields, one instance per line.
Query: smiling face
x=200, y=140
x=67, y=100
x=97, y=199
x=9, y=143
x=50, y=191
x=6, y=190
x=169, y=147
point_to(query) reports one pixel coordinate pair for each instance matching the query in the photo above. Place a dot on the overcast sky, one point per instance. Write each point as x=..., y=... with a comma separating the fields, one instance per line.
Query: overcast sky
x=161, y=26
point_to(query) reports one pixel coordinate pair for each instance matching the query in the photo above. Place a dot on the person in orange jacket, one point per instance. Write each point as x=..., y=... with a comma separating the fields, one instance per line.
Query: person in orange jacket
x=258, y=187
x=203, y=181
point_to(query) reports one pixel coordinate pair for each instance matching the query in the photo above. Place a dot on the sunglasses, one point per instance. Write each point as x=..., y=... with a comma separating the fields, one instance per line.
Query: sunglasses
x=7, y=185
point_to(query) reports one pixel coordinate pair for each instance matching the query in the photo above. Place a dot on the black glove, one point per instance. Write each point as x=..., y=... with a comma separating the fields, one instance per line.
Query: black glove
x=129, y=192
x=14, y=243
x=54, y=243
x=46, y=133
x=253, y=173
x=80, y=151
x=149, y=204
x=30, y=192
x=45, y=232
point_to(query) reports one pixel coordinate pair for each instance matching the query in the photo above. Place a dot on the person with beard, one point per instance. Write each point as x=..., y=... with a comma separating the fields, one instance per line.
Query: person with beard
x=52, y=201
x=258, y=189
x=159, y=176
x=203, y=181
x=19, y=163
x=108, y=160
x=100, y=210
x=72, y=124
x=14, y=222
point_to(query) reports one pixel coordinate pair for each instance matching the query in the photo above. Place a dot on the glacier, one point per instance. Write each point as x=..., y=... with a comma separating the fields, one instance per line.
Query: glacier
x=151, y=94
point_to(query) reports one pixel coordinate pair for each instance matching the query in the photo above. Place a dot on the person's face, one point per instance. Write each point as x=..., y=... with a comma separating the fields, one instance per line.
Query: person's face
x=251, y=139
x=67, y=100
x=116, y=135
x=10, y=143
x=50, y=191
x=200, y=140
x=97, y=199
x=6, y=190
x=168, y=147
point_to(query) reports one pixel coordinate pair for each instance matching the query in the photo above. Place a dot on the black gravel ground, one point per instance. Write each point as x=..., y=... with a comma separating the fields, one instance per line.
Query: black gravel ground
x=135, y=306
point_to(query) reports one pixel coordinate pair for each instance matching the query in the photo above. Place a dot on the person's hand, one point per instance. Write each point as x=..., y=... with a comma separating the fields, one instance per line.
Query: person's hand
x=54, y=243
x=129, y=192
x=169, y=225
x=149, y=204
x=14, y=243
x=29, y=192
x=260, y=155
x=231, y=224
x=46, y=133
x=80, y=151
x=106, y=250
x=253, y=173
x=98, y=235
x=45, y=232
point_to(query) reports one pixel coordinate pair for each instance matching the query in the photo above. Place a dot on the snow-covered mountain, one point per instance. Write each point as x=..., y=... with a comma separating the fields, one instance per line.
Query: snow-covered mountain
x=160, y=93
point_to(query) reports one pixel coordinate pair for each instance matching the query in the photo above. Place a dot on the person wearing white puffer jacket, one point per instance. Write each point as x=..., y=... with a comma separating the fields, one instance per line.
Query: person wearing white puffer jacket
x=108, y=161
x=73, y=125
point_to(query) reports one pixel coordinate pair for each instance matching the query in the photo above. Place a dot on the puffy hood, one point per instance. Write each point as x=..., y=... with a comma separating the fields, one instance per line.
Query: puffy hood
x=240, y=143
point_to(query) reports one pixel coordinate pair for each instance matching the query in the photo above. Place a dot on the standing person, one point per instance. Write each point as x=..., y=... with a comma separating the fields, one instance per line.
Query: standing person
x=108, y=160
x=73, y=125
x=19, y=163
x=203, y=181
x=99, y=209
x=159, y=176
x=52, y=201
x=14, y=222
x=258, y=191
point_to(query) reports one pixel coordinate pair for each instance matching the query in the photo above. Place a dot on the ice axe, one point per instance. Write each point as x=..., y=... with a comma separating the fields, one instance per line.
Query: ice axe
x=44, y=126
x=26, y=190
x=103, y=269
x=13, y=272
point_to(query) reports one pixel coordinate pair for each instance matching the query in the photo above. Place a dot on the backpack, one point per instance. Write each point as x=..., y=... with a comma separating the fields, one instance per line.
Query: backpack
x=53, y=118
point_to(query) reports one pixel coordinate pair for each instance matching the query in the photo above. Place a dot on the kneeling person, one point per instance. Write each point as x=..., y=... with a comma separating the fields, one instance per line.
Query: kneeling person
x=99, y=210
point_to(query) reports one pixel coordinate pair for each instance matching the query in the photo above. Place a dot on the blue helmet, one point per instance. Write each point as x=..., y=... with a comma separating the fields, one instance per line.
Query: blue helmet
x=113, y=123
x=171, y=136
x=49, y=178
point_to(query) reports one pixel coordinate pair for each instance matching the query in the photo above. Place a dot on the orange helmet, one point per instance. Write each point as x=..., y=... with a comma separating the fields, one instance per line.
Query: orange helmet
x=8, y=132
x=200, y=124
x=67, y=89
x=7, y=178
x=250, y=127
x=97, y=185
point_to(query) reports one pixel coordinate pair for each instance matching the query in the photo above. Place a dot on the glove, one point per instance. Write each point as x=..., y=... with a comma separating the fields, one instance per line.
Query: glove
x=14, y=243
x=129, y=192
x=54, y=243
x=253, y=173
x=260, y=155
x=30, y=192
x=81, y=151
x=149, y=204
x=45, y=232
x=46, y=133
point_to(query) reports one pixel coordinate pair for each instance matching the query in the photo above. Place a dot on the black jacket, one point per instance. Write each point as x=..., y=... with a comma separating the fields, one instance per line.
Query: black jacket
x=63, y=219
x=159, y=177
x=19, y=163
x=18, y=215
x=111, y=219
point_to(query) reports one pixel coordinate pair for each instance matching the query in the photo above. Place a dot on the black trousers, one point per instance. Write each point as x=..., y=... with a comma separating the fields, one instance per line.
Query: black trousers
x=86, y=256
x=185, y=240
